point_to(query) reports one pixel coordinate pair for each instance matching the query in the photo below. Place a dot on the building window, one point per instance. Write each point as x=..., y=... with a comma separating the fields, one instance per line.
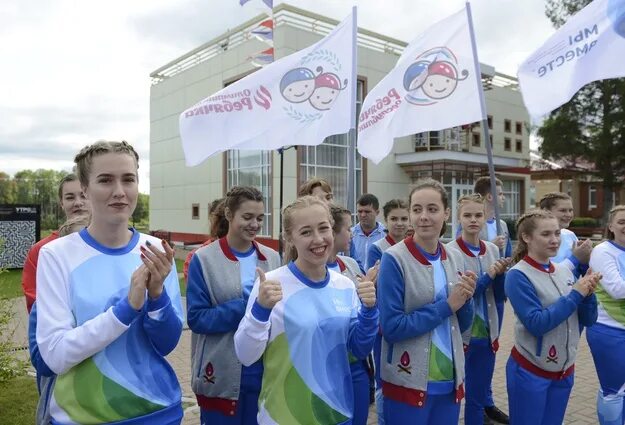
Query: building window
x=195, y=211
x=519, y=127
x=490, y=122
x=507, y=144
x=507, y=126
x=252, y=168
x=476, y=139
x=519, y=145
x=329, y=161
x=490, y=136
x=512, y=207
x=592, y=197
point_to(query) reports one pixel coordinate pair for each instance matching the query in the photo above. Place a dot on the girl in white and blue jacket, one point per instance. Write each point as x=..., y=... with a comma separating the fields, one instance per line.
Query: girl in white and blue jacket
x=221, y=275
x=550, y=309
x=108, y=306
x=425, y=305
x=607, y=338
x=303, y=320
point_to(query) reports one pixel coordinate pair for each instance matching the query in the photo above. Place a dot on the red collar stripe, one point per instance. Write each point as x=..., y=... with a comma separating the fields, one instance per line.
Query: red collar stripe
x=223, y=244
x=463, y=246
x=412, y=247
x=529, y=260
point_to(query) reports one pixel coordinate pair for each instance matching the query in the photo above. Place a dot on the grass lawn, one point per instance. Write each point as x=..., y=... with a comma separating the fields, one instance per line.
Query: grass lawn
x=18, y=401
x=11, y=283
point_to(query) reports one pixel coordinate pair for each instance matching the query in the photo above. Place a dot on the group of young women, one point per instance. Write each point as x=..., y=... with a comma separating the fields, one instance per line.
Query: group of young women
x=285, y=342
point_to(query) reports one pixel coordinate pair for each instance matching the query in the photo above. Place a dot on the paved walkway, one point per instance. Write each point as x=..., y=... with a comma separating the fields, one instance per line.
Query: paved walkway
x=581, y=407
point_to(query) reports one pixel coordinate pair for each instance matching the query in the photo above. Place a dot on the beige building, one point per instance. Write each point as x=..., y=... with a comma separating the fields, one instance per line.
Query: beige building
x=180, y=196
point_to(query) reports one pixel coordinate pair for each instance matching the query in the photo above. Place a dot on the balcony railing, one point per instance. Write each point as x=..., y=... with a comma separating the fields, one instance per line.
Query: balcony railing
x=452, y=139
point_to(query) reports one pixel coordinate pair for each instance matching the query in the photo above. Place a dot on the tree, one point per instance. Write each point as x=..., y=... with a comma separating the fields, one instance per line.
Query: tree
x=142, y=210
x=8, y=189
x=591, y=126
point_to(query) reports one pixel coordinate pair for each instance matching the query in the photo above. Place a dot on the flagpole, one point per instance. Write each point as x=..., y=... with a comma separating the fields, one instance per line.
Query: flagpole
x=351, y=135
x=489, y=148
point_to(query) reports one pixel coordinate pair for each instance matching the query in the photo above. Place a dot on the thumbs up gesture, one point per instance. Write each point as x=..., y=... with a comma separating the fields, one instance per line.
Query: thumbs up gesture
x=269, y=291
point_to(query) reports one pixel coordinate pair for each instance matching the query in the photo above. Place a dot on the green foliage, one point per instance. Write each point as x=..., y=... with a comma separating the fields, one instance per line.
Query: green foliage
x=11, y=284
x=584, y=222
x=142, y=211
x=589, y=128
x=34, y=187
x=18, y=401
x=10, y=365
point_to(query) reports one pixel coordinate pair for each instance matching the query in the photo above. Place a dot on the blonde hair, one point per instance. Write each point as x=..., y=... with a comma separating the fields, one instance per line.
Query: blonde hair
x=526, y=224
x=84, y=159
x=308, y=187
x=608, y=233
x=548, y=201
x=74, y=224
x=290, y=253
x=473, y=197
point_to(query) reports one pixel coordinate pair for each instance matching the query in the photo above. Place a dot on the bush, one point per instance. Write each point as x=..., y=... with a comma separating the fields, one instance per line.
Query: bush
x=584, y=222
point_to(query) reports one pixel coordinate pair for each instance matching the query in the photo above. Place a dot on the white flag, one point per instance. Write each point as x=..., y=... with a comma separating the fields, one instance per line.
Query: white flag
x=432, y=87
x=298, y=100
x=589, y=47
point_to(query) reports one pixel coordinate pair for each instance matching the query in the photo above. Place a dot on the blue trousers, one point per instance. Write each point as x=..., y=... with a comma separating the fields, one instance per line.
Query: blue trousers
x=439, y=409
x=534, y=400
x=607, y=345
x=360, y=383
x=479, y=369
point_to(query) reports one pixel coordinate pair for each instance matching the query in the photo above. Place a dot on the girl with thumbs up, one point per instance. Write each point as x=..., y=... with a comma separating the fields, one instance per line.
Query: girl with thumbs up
x=221, y=275
x=303, y=320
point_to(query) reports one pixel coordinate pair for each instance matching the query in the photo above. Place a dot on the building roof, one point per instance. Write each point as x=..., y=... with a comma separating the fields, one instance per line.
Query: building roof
x=285, y=14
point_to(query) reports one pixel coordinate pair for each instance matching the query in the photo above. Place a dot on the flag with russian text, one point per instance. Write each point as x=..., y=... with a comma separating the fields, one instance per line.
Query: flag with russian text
x=299, y=99
x=432, y=87
x=585, y=49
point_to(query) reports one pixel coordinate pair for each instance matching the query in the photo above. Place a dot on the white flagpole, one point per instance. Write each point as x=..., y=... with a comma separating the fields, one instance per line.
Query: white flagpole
x=489, y=149
x=351, y=135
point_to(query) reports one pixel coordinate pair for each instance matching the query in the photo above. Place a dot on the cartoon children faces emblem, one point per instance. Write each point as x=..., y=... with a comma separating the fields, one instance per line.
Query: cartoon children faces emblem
x=320, y=90
x=327, y=89
x=297, y=85
x=432, y=77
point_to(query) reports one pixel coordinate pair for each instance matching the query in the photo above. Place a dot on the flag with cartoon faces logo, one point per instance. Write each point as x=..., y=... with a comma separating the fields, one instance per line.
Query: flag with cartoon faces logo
x=586, y=48
x=298, y=100
x=432, y=87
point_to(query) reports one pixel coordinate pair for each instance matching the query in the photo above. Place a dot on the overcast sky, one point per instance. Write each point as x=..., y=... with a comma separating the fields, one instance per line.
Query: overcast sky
x=75, y=71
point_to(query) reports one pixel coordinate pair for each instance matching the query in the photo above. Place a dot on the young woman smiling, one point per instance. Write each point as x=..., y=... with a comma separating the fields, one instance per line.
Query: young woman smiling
x=425, y=304
x=607, y=338
x=221, y=275
x=108, y=305
x=550, y=310
x=303, y=320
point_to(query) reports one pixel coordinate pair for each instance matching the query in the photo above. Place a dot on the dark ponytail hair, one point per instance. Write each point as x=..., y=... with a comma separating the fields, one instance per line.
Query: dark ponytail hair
x=231, y=203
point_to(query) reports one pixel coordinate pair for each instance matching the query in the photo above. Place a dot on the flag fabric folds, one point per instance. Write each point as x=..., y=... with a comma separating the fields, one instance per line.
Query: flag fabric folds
x=264, y=32
x=432, y=87
x=587, y=48
x=300, y=99
x=268, y=3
